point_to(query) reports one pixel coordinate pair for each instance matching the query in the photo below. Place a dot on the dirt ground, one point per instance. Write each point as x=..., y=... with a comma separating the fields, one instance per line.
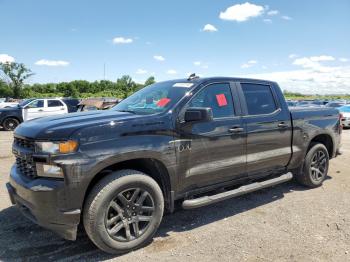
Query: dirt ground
x=284, y=223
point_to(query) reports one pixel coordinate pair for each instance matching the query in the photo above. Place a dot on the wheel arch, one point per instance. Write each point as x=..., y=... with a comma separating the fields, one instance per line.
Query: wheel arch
x=324, y=139
x=150, y=166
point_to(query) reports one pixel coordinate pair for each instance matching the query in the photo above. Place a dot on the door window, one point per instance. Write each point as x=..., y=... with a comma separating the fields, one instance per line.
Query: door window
x=54, y=103
x=216, y=96
x=36, y=104
x=259, y=99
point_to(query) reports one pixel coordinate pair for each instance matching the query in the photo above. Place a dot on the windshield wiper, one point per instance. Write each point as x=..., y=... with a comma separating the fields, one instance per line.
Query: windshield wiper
x=128, y=111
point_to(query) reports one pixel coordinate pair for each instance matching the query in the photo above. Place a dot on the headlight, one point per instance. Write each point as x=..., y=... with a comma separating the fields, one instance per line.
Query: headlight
x=44, y=170
x=57, y=147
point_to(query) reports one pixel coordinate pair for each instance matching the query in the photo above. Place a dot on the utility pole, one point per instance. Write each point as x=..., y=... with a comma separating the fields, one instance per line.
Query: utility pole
x=104, y=71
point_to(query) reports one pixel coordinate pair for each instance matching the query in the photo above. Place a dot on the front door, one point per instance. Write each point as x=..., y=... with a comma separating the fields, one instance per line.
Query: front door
x=212, y=152
x=34, y=109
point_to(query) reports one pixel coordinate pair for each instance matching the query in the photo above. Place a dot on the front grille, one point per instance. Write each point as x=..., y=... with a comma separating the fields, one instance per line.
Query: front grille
x=24, y=160
x=26, y=166
x=25, y=143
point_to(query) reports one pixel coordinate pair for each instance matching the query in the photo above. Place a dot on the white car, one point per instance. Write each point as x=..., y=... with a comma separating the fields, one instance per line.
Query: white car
x=44, y=107
x=29, y=109
x=345, y=115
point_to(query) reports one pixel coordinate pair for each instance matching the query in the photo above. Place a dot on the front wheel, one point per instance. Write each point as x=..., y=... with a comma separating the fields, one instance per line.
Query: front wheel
x=10, y=124
x=315, y=166
x=123, y=211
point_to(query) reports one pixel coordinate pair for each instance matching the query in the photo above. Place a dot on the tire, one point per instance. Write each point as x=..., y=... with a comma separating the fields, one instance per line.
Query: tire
x=315, y=167
x=10, y=124
x=107, y=215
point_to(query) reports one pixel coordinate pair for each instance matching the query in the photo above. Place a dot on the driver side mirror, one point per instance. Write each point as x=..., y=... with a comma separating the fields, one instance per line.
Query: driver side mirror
x=198, y=114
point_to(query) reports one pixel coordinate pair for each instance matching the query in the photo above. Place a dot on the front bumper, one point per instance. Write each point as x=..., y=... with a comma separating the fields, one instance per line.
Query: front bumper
x=40, y=200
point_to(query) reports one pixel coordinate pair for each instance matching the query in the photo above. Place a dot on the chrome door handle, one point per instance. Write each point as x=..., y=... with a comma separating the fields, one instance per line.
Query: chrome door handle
x=236, y=130
x=282, y=125
x=40, y=110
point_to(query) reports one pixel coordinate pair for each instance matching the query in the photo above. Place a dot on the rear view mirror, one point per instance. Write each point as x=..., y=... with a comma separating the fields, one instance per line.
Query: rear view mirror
x=198, y=114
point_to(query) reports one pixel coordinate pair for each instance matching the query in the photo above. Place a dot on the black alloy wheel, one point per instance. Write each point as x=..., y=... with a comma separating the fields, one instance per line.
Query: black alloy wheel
x=318, y=166
x=10, y=124
x=123, y=211
x=129, y=214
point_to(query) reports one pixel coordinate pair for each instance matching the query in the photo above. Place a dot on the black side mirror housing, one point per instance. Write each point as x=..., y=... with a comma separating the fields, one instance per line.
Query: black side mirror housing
x=198, y=114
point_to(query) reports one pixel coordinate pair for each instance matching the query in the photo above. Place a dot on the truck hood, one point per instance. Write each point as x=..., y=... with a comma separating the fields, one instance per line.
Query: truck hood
x=9, y=109
x=63, y=126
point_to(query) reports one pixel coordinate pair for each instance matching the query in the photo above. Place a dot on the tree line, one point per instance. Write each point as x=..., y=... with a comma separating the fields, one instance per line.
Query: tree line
x=13, y=76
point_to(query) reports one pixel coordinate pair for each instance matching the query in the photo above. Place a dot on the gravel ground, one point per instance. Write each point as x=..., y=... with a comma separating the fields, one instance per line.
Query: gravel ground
x=284, y=223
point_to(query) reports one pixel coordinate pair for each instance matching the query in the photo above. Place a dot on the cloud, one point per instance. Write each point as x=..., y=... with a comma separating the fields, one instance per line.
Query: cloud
x=273, y=12
x=158, y=57
x=122, y=40
x=267, y=21
x=322, y=58
x=241, y=12
x=250, y=63
x=336, y=80
x=312, y=77
x=45, y=62
x=141, y=71
x=343, y=59
x=209, y=28
x=5, y=58
x=171, y=72
x=291, y=56
x=313, y=62
x=285, y=17
x=201, y=64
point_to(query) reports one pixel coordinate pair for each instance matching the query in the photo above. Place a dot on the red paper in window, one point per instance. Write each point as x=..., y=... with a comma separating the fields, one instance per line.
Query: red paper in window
x=163, y=102
x=221, y=99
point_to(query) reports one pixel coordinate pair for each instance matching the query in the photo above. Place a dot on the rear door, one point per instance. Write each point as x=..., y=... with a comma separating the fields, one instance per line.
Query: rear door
x=268, y=125
x=55, y=107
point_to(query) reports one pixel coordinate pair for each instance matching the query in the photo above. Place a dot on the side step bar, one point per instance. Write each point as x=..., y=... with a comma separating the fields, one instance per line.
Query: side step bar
x=207, y=200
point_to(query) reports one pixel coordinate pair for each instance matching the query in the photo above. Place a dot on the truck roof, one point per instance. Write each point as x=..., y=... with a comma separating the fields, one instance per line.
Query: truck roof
x=200, y=80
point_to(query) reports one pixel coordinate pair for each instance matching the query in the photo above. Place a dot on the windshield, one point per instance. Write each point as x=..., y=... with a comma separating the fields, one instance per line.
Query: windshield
x=25, y=102
x=345, y=109
x=156, y=98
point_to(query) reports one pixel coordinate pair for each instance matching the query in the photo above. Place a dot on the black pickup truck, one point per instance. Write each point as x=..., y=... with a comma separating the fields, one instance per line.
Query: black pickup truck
x=193, y=141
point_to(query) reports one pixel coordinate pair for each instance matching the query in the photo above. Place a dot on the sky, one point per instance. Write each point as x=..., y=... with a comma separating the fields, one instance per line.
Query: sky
x=304, y=45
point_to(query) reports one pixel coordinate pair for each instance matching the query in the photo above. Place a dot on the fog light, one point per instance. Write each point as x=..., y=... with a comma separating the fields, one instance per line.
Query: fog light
x=49, y=171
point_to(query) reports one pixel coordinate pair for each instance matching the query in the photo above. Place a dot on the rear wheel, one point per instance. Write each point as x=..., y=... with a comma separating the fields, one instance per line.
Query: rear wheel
x=10, y=124
x=315, y=166
x=123, y=211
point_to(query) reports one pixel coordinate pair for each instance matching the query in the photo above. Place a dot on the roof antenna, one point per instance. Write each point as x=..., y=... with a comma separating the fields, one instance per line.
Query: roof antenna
x=192, y=76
